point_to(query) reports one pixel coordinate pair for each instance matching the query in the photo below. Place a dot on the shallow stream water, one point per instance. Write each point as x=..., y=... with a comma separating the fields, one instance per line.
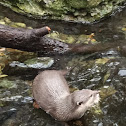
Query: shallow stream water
x=104, y=71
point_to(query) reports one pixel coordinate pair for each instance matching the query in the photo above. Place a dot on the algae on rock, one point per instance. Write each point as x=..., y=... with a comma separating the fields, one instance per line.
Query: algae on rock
x=78, y=11
x=83, y=3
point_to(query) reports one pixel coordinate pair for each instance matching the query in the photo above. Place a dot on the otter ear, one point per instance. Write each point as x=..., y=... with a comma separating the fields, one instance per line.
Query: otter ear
x=79, y=103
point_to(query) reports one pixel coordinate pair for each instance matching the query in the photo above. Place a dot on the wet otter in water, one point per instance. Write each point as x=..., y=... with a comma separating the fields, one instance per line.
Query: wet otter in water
x=51, y=93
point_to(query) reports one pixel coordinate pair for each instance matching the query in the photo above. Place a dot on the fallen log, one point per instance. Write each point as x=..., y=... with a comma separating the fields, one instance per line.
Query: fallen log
x=34, y=40
x=31, y=40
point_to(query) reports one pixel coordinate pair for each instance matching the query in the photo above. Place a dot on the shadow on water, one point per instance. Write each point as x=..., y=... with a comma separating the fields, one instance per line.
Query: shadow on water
x=104, y=71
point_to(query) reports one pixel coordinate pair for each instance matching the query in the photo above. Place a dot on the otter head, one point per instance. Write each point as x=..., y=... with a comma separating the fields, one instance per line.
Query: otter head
x=83, y=100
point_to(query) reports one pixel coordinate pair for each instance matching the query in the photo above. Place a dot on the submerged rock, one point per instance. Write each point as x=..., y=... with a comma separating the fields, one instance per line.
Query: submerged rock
x=38, y=63
x=7, y=21
x=122, y=72
x=107, y=91
x=83, y=38
x=5, y=83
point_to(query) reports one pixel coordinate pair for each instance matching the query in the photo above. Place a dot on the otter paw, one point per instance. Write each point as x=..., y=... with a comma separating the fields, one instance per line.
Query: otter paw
x=35, y=105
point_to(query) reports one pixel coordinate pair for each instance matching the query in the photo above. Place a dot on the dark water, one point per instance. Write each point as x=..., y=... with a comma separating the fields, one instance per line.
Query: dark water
x=105, y=70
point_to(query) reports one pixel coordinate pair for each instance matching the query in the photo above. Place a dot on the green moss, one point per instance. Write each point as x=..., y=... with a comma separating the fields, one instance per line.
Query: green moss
x=39, y=62
x=31, y=7
x=92, y=3
x=56, y=5
x=5, y=83
x=24, y=6
x=77, y=4
x=70, y=38
x=1, y=104
x=96, y=110
x=7, y=20
x=2, y=22
x=85, y=11
x=102, y=61
x=83, y=3
x=22, y=25
x=106, y=92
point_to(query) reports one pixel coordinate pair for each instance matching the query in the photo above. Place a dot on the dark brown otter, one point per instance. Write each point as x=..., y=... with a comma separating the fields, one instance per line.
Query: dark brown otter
x=51, y=92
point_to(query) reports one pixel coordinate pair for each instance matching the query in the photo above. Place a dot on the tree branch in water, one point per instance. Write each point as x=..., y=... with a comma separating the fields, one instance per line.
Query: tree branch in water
x=34, y=40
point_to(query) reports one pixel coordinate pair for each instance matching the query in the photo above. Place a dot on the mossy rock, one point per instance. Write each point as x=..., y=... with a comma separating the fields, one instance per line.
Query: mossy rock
x=36, y=63
x=5, y=83
x=83, y=3
x=106, y=91
x=85, y=11
x=77, y=4
x=39, y=62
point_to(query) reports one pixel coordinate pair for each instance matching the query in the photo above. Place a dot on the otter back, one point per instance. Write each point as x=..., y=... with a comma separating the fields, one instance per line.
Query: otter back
x=48, y=87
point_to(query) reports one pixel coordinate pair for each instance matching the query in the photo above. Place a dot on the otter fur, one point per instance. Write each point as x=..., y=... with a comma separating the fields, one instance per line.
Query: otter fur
x=52, y=94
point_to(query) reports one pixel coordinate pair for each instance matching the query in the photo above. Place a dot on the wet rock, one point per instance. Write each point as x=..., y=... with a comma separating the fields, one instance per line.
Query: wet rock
x=122, y=72
x=5, y=83
x=76, y=4
x=10, y=122
x=7, y=55
x=72, y=38
x=107, y=91
x=7, y=21
x=122, y=50
x=83, y=3
x=65, y=9
x=37, y=63
x=12, y=98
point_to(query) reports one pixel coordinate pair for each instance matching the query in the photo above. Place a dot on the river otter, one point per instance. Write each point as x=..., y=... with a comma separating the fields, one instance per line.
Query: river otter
x=51, y=93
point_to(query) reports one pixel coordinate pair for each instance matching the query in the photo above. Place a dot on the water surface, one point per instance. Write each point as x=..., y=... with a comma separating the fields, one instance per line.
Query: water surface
x=104, y=70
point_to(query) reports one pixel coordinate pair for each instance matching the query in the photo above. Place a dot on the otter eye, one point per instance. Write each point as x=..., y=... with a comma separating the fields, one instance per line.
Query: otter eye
x=79, y=103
